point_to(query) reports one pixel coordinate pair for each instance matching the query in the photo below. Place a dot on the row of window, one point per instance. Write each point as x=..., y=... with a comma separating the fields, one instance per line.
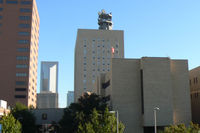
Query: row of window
x=25, y=10
x=16, y=2
x=21, y=74
x=21, y=66
x=22, y=57
x=24, y=17
x=24, y=26
x=195, y=80
x=23, y=41
x=22, y=49
x=21, y=10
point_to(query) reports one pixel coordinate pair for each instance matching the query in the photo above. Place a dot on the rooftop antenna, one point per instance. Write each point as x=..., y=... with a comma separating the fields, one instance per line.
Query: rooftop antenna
x=105, y=20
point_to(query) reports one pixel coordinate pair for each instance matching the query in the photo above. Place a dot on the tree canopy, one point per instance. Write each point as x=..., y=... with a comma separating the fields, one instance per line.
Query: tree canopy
x=10, y=124
x=181, y=128
x=85, y=111
x=25, y=117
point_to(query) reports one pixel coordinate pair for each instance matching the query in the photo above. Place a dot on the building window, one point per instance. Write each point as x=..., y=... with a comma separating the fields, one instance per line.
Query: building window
x=26, y=2
x=1, y=17
x=0, y=24
x=11, y=2
x=25, y=10
x=23, y=33
x=21, y=83
x=24, y=26
x=22, y=49
x=1, y=1
x=21, y=66
x=20, y=96
x=24, y=17
x=1, y=9
x=21, y=74
x=23, y=41
x=22, y=57
x=20, y=89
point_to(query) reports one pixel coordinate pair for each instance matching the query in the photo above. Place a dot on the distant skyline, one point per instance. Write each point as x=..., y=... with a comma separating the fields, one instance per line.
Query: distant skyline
x=151, y=28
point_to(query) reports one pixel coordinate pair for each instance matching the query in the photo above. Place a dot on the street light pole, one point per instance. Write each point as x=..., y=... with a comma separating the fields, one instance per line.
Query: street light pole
x=117, y=119
x=155, y=122
x=117, y=122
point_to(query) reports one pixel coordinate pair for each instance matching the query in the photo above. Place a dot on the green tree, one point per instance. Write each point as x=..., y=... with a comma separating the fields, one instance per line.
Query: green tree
x=10, y=124
x=25, y=117
x=99, y=123
x=81, y=112
x=181, y=128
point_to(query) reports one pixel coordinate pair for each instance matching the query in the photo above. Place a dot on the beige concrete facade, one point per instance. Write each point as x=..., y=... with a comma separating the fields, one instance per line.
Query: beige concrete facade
x=195, y=94
x=19, y=38
x=93, y=53
x=47, y=100
x=137, y=86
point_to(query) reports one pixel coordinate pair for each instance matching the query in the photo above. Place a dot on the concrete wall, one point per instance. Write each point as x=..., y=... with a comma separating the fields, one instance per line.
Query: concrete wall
x=126, y=93
x=140, y=85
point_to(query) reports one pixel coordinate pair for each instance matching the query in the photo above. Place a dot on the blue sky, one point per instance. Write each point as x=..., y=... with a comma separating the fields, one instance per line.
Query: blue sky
x=155, y=28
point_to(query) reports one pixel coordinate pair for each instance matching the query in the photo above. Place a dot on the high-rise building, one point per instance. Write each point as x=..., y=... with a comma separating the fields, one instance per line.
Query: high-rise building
x=195, y=93
x=48, y=96
x=49, y=77
x=70, y=97
x=94, y=51
x=19, y=39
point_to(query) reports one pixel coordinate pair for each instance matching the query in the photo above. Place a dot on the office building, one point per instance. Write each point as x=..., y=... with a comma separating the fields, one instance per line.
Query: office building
x=94, y=51
x=19, y=39
x=137, y=86
x=48, y=96
x=195, y=93
x=70, y=97
x=49, y=77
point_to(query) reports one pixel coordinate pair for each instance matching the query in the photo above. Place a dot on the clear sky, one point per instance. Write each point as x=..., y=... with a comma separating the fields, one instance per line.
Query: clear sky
x=155, y=28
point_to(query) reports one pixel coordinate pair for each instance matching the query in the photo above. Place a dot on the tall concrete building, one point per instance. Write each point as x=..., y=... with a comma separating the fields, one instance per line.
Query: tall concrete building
x=137, y=86
x=48, y=96
x=70, y=97
x=19, y=39
x=195, y=93
x=94, y=51
x=49, y=77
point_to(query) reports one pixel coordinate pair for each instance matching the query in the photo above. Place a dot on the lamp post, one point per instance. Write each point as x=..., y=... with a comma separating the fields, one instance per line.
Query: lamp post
x=155, y=126
x=117, y=119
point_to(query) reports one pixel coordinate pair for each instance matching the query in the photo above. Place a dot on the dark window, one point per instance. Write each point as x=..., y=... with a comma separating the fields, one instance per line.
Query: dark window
x=0, y=24
x=26, y=2
x=25, y=10
x=20, y=89
x=20, y=96
x=1, y=17
x=24, y=17
x=22, y=57
x=44, y=116
x=23, y=41
x=1, y=9
x=24, y=33
x=21, y=83
x=11, y=2
x=1, y=1
x=24, y=25
x=22, y=50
